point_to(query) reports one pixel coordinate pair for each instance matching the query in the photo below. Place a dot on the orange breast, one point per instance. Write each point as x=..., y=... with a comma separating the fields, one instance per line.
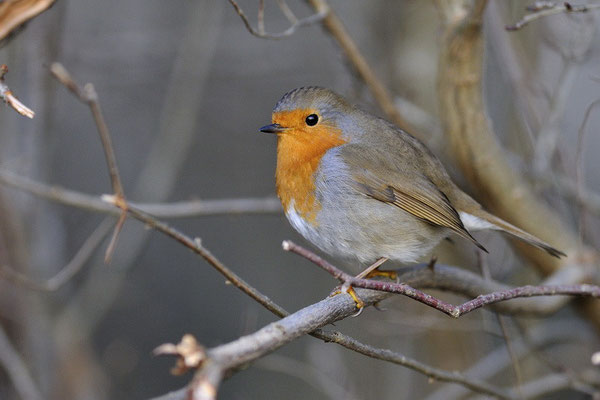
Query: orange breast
x=299, y=152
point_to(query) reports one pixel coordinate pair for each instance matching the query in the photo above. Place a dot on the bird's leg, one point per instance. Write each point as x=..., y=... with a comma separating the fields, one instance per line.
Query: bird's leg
x=357, y=301
x=369, y=272
x=372, y=271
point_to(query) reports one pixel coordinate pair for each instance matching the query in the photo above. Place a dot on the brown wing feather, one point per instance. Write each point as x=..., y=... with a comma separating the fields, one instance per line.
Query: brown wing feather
x=442, y=214
x=437, y=212
x=404, y=187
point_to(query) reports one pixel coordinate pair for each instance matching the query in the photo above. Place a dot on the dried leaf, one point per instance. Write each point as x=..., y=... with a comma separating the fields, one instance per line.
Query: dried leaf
x=14, y=13
x=189, y=352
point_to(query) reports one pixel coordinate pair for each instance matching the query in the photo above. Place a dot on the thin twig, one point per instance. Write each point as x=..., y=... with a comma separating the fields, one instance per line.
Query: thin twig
x=492, y=363
x=70, y=270
x=485, y=272
x=14, y=14
x=440, y=305
x=580, y=171
x=261, y=17
x=181, y=209
x=227, y=357
x=16, y=368
x=547, y=141
x=285, y=9
x=549, y=8
x=336, y=29
x=312, y=19
x=567, y=187
x=89, y=96
x=475, y=385
x=196, y=247
x=109, y=153
x=9, y=98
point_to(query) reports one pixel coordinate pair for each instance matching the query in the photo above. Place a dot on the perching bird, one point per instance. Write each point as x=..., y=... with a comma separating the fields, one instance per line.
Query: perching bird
x=356, y=186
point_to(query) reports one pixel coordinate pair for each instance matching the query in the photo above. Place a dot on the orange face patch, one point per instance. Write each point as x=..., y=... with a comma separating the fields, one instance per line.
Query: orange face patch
x=299, y=151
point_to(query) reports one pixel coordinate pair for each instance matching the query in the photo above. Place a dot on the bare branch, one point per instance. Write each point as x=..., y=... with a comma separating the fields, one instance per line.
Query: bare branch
x=9, y=98
x=70, y=270
x=196, y=247
x=336, y=29
x=312, y=19
x=489, y=365
x=16, y=369
x=568, y=187
x=89, y=96
x=285, y=9
x=475, y=385
x=579, y=176
x=440, y=305
x=226, y=358
x=553, y=383
x=542, y=9
x=182, y=209
x=15, y=13
x=487, y=275
x=483, y=160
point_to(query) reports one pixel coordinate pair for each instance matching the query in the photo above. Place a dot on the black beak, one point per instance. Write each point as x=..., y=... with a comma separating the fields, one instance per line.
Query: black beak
x=273, y=128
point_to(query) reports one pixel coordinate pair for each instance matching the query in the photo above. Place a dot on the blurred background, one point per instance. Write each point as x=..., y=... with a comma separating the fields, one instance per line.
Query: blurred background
x=184, y=88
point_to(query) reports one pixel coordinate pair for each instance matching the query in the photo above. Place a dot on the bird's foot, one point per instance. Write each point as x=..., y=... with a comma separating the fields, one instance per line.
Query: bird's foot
x=390, y=274
x=360, y=305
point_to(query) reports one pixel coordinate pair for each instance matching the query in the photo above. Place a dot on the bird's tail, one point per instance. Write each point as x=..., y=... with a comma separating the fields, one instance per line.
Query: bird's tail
x=501, y=225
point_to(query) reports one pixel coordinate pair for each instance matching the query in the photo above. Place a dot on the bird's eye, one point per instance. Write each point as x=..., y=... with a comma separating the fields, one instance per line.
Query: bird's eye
x=312, y=119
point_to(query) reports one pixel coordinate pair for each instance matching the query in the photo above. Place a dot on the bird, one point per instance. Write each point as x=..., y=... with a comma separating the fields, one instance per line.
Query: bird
x=360, y=188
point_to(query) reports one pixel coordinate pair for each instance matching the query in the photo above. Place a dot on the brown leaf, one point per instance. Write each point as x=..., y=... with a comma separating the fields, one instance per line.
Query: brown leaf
x=189, y=352
x=14, y=13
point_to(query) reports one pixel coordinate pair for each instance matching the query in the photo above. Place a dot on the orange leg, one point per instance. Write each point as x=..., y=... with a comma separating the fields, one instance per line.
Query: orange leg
x=371, y=272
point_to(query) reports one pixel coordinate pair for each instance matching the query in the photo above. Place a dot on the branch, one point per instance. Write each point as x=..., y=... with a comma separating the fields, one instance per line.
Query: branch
x=89, y=96
x=436, y=374
x=569, y=188
x=296, y=23
x=440, y=305
x=10, y=99
x=16, y=369
x=336, y=29
x=70, y=270
x=182, y=209
x=196, y=246
x=493, y=363
x=482, y=159
x=579, y=173
x=542, y=9
x=222, y=360
x=15, y=13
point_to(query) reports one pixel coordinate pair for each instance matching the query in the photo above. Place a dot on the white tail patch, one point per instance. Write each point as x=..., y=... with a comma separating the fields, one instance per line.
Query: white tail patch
x=473, y=223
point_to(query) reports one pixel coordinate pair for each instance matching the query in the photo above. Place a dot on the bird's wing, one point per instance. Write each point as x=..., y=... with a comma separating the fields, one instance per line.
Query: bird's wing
x=384, y=177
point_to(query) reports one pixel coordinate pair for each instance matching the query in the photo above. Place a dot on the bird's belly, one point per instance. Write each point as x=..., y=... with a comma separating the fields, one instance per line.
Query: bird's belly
x=366, y=230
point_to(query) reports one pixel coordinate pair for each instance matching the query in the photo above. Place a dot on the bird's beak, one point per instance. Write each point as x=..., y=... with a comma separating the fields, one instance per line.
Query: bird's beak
x=273, y=128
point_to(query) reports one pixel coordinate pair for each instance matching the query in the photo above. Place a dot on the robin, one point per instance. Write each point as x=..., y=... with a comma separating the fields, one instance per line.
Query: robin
x=358, y=187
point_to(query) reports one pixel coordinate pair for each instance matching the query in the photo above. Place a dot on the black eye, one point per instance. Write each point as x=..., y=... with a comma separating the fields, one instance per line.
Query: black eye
x=312, y=119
